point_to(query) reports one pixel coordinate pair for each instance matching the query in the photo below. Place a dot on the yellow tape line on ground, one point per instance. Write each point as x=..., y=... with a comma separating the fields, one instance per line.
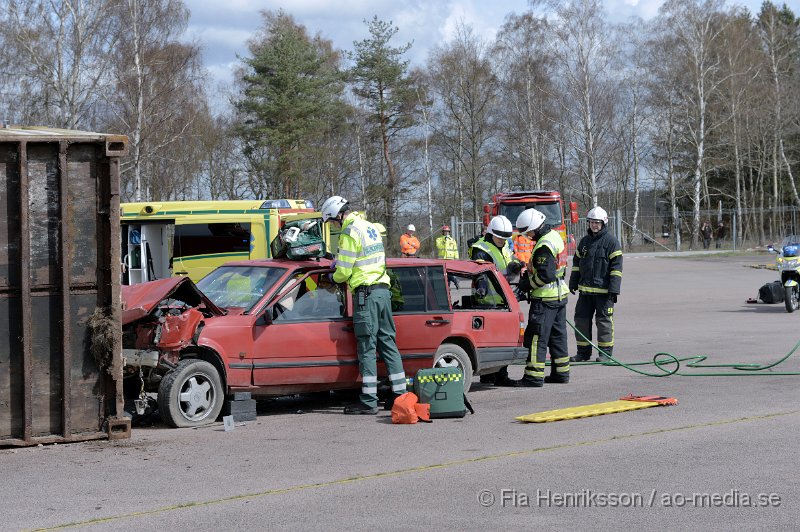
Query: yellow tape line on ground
x=410, y=470
x=576, y=412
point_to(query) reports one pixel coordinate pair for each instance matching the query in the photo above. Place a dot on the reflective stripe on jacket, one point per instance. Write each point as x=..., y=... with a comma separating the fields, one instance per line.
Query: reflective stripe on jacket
x=446, y=247
x=361, y=259
x=557, y=290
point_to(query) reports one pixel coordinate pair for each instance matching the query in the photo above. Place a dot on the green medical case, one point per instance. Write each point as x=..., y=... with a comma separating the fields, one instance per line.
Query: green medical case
x=443, y=389
x=306, y=244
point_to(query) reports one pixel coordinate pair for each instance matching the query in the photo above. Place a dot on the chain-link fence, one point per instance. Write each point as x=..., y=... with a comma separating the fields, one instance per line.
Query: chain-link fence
x=727, y=230
x=717, y=229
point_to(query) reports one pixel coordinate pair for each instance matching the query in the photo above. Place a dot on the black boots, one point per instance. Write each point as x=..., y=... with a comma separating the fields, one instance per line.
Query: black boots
x=504, y=380
x=500, y=378
x=530, y=382
x=360, y=408
x=389, y=403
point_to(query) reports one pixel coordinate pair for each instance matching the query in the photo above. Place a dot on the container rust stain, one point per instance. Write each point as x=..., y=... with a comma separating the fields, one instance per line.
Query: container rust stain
x=60, y=332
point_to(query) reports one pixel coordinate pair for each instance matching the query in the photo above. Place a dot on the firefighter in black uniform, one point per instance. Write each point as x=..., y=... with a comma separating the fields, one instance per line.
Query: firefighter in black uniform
x=597, y=275
x=547, y=318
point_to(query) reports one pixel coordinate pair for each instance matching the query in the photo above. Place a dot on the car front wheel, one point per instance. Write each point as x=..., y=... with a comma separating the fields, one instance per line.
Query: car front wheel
x=191, y=395
x=452, y=356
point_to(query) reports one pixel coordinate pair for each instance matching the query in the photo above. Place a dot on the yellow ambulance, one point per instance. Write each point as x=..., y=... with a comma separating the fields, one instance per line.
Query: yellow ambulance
x=161, y=239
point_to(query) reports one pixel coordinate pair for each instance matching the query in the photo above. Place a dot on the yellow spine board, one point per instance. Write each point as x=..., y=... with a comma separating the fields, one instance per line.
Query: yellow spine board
x=576, y=412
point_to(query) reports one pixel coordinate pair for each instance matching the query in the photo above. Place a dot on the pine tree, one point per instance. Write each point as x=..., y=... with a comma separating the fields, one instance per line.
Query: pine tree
x=291, y=90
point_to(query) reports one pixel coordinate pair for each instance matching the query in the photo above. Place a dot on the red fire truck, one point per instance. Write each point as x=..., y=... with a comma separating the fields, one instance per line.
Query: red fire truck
x=548, y=202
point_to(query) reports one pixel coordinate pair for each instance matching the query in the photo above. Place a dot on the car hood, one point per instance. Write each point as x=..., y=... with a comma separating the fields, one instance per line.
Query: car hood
x=139, y=300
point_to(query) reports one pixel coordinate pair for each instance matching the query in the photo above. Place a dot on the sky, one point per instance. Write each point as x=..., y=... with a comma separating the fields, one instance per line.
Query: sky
x=223, y=27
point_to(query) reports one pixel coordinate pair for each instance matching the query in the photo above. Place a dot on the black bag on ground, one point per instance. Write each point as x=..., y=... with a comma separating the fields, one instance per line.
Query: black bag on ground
x=771, y=292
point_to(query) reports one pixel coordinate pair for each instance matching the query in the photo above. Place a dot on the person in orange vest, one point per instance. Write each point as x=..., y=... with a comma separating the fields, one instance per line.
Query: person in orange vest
x=409, y=244
x=523, y=247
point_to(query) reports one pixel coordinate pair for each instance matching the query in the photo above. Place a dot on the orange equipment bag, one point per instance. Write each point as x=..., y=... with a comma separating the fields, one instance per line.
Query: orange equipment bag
x=407, y=410
x=423, y=411
x=403, y=409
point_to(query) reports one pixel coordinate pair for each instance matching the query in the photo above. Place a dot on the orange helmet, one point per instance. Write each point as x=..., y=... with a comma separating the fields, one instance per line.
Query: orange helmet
x=445, y=228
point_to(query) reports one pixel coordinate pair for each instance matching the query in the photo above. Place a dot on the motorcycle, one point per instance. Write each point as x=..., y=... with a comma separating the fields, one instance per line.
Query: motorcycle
x=788, y=263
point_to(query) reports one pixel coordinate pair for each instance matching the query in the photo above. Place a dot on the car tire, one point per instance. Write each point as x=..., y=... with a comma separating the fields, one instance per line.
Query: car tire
x=452, y=356
x=791, y=298
x=191, y=395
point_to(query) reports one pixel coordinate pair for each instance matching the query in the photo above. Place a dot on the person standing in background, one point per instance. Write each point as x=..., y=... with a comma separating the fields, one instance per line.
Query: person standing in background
x=409, y=244
x=523, y=247
x=705, y=233
x=446, y=246
x=720, y=234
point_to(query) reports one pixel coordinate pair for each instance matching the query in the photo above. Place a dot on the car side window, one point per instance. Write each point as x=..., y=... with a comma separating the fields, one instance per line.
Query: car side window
x=314, y=299
x=476, y=292
x=418, y=289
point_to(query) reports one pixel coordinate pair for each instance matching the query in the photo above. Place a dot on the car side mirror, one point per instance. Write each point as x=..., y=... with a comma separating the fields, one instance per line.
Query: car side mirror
x=265, y=318
x=771, y=249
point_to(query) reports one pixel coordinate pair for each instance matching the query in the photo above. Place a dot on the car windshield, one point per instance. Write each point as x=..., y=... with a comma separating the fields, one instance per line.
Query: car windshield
x=791, y=240
x=551, y=211
x=239, y=286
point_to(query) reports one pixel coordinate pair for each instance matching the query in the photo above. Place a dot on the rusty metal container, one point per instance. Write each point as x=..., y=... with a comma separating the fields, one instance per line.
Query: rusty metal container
x=60, y=332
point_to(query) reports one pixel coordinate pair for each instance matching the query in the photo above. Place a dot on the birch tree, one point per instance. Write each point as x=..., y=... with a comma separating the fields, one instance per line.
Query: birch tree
x=698, y=26
x=57, y=56
x=586, y=54
x=466, y=86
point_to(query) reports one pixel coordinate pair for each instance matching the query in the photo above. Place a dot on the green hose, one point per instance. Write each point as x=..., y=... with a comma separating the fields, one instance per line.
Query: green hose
x=661, y=360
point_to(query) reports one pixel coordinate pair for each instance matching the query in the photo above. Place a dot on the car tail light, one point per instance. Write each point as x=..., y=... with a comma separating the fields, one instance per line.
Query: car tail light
x=521, y=328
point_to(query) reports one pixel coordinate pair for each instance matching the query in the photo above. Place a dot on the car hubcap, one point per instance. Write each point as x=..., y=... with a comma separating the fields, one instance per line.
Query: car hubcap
x=196, y=398
x=447, y=361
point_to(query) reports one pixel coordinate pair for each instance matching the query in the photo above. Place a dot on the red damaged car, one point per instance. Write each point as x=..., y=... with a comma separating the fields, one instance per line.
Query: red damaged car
x=280, y=327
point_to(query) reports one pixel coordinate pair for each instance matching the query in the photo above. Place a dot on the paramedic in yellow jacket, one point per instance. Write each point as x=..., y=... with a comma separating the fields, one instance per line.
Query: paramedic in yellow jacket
x=361, y=263
x=446, y=246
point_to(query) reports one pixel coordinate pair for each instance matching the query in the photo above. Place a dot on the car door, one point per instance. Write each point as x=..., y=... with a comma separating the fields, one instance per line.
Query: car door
x=308, y=338
x=422, y=313
x=486, y=313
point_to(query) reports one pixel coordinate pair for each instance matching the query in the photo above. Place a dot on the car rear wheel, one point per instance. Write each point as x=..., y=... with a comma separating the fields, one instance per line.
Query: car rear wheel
x=452, y=356
x=792, y=298
x=191, y=395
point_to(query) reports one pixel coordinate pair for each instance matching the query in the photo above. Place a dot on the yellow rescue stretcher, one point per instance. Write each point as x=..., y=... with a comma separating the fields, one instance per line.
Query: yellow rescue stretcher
x=624, y=404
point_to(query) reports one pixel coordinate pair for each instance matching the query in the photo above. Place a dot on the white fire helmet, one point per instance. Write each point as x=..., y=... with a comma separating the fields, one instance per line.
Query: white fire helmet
x=411, y=227
x=529, y=220
x=332, y=207
x=598, y=213
x=500, y=226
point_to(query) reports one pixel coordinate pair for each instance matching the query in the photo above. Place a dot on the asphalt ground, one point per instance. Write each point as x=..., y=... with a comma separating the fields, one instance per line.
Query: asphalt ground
x=724, y=458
